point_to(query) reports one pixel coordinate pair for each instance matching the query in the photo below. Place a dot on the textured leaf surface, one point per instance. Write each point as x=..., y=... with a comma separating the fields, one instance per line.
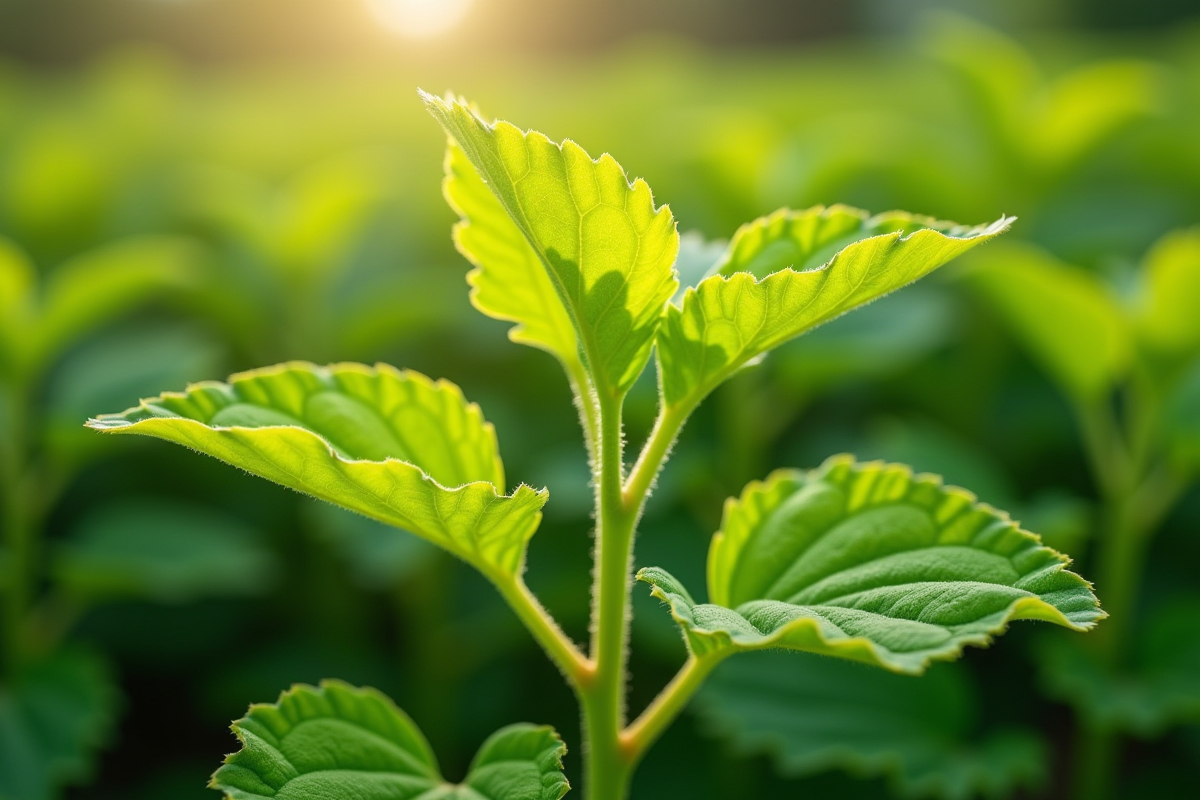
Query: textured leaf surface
x=789, y=272
x=1159, y=687
x=605, y=246
x=54, y=715
x=812, y=714
x=338, y=742
x=1064, y=315
x=509, y=281
x=871, y=563
x=390, y=444
x=162, y=551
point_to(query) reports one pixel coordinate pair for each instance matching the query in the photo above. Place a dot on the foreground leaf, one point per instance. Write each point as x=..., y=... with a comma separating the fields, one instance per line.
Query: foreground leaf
x=162, y=551
x=1064, y=315
x=605, y=246
x=390, y=444
x=54, y=716
x=792, y=271
x=509, y=281
x=1159, y=687
x=871, y=563
x=338, y=742
x=812, y=714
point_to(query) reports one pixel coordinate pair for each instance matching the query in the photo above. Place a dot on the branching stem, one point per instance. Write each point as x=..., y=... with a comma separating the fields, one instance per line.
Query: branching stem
x=643, y=732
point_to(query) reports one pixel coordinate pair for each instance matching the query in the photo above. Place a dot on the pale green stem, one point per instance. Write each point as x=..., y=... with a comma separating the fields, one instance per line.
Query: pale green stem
x=585, y=401
x=658, y=446
x=607, y=771
x=575, y=666
x=658, y=716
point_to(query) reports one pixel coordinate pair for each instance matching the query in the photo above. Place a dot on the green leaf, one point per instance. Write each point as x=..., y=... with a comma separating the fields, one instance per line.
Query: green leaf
x=1064, y=315
x=1158, y=687
x=871, y=563
x=789, y=272
x=1168, y=322
x=54, y=715
x=509, y=281
x=338, y=742
x=162, y=551
x=605, y=246
x=390, y=444
x=812, y=714
x=101, y=284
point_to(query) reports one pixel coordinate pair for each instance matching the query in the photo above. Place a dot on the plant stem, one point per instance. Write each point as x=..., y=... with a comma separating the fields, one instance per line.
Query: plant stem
x=575, y=666
x=607, y=770
x=585, y=401
x=658, y=716
x=658, y=446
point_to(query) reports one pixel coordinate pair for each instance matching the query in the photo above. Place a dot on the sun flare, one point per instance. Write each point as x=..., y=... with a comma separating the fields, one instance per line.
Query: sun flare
x=420, y=19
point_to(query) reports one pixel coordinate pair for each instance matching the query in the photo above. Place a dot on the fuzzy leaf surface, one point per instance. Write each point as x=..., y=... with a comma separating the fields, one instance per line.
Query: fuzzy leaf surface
x=811, y=714
x=338, y=742
x=392, y=445
x=871, y=563
x=607, y=249
x=54, y=715
x=1065, y=316
x=509, y=281
x=789, y=272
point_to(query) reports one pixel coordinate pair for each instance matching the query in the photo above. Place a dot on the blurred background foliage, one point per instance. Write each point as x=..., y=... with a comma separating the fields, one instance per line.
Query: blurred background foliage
x=194, y=187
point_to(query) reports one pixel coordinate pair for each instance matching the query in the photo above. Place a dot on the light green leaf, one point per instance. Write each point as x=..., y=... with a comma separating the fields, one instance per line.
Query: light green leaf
x=101, y=284
x=1159, y=686
x=162, y=551
x=812, y=714
x=17, y=279
x=607, y=249
x=789, y=272
x=1064, y=315
x=871, y=563
x=54, y=716
x=509, y=281
x=390, y=444
x=338, y=742
x=1168, y=322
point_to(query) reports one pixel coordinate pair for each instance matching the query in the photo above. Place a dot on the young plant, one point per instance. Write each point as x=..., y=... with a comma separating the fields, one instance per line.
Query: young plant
x=1129, y=368
x=861, y=561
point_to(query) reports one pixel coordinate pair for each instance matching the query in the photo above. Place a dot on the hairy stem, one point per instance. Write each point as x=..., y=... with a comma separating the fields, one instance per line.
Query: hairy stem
x=607, y=771
x=654, y=454
x=575, y=666
x=585, y=401
x=658, y=716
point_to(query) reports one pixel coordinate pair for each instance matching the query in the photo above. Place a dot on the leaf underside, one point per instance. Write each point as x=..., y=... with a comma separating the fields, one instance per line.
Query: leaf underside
x=789, y=272
x=871, y=563
x=606, y=248
x=812, y=714
x=339, y=742
x=392, y=445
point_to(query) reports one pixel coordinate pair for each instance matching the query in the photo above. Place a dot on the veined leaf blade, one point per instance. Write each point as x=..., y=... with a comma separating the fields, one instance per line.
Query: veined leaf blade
x=871, y=563
x=607, y=248
x=341, y=742
x=509, y=281
x=392, y=445
x=792, y=271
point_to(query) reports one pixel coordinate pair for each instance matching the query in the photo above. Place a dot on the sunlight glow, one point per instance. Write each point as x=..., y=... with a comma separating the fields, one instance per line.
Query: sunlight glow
x=420, y=19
